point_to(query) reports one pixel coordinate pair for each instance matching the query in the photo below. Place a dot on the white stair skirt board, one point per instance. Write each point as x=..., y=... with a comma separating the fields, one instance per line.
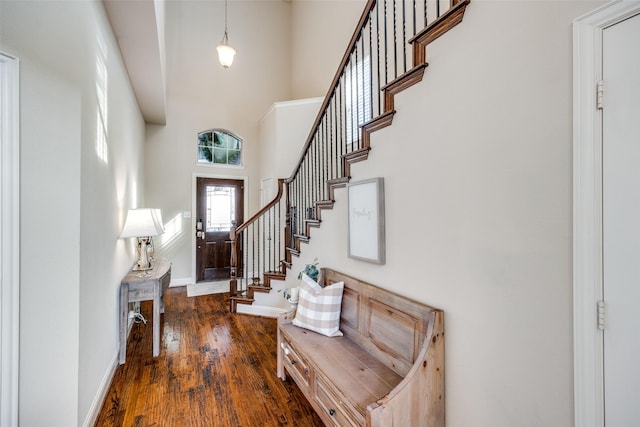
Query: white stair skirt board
x=207, y=288
x=260, y=310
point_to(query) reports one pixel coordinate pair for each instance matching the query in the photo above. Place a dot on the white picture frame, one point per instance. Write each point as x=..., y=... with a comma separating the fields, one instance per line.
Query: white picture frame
x=366, y=226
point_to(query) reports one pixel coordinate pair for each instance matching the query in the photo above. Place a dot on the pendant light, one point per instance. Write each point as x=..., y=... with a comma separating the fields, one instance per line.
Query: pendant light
x=225, y=52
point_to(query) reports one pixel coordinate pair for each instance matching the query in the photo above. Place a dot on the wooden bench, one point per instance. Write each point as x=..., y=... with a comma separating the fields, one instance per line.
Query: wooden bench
x=387, y=369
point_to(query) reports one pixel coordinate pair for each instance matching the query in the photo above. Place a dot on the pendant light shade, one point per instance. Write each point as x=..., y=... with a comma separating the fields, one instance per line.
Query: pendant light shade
x=225, y=52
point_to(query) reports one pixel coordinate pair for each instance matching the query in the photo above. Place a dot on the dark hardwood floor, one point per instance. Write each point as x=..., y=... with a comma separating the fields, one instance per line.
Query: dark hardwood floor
x=214, y=369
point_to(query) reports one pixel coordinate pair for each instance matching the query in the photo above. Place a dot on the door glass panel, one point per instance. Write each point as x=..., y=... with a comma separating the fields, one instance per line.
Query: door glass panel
x=221, y=208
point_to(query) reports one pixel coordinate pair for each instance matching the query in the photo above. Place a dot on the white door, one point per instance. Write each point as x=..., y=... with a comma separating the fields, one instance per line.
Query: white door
x=621, y=222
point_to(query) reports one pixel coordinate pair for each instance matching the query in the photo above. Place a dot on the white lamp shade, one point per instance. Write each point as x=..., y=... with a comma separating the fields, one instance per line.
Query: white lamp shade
x=158, y=214
x=226, y=54
x=142, y=222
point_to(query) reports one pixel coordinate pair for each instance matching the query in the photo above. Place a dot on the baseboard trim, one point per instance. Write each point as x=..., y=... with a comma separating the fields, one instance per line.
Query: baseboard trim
x=103, y=389
x=261, y=310
x=98, y=401
x=181, y=282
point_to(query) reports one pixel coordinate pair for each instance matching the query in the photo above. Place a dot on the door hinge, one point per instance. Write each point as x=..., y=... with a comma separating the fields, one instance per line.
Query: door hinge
x=599, y=94
x=601, y=315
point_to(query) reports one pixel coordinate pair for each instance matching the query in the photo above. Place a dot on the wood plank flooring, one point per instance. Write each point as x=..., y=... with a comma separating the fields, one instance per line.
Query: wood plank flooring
x=214, y=369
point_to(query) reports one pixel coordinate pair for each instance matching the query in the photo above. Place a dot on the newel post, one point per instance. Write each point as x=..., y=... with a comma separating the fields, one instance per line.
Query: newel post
x=233, y=282
x=287, y=225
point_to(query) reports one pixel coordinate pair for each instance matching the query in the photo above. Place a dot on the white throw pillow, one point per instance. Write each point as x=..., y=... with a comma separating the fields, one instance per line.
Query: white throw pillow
x=319, y=308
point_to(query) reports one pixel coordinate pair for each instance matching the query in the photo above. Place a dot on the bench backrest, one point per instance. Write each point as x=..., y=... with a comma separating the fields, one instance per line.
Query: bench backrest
x=387, y=325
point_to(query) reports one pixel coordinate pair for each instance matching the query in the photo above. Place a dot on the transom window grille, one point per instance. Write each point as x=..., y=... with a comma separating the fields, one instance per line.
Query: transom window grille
x=221, y=208
x=220, y=147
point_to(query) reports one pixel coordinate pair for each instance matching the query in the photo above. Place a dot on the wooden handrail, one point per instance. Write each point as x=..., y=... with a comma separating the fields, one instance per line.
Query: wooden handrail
x=233, y=237
x=334, y=84
x=234, y=231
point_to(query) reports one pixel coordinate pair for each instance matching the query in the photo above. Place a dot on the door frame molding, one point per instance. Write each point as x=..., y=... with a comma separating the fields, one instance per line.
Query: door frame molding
x=10, y=250
x=587, y=209
x=194, y=184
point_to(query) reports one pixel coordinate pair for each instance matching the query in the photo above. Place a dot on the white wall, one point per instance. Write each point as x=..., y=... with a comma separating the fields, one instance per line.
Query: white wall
x=284, y=52
x=50, y=238
x=75, y=192
x=282, y=134
x=202, y=95
x=321, y=31
x=110, y=186
x=477, y=169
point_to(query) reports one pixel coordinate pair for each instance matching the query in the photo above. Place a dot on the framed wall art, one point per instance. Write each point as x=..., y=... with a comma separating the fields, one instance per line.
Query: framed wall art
x=366, y=240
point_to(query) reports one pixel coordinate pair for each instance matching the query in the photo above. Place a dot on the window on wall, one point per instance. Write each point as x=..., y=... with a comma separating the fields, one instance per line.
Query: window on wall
x=219, y=147
x=357, y=97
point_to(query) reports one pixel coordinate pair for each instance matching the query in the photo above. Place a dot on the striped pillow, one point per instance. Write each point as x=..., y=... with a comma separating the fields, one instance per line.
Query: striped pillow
x=319, y=308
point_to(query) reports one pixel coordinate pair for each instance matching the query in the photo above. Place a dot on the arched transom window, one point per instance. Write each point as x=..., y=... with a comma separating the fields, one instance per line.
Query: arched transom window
x=219, y=147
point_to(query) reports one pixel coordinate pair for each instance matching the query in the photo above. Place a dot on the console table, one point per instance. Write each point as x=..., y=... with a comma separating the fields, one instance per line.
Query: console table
x=136, y=286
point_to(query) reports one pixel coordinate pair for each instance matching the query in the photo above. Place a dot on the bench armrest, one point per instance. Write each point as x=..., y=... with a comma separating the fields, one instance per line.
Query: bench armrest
x=286, y=318
x=283, y=319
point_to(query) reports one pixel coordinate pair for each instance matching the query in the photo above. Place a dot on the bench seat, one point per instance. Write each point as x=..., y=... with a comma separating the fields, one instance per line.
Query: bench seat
x=355, y=372
x=388, y=368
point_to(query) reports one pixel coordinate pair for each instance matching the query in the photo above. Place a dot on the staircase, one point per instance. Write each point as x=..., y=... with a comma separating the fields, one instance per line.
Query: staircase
x=386, y=55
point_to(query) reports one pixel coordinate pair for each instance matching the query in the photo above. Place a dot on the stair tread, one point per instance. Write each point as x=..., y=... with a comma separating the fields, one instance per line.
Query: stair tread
x=275, y=274
x=340, y=180
x=356, y=153
x=442, y=25
x=242, y=299
x=406, y=80
x=303, y=238
x=293, y=251
x=379, y=122
x=260, y=288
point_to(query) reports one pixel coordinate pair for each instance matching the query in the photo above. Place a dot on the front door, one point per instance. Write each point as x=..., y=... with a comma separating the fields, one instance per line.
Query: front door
x=219, y=205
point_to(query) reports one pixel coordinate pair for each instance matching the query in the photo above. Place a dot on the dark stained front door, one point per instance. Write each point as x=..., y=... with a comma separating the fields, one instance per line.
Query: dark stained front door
x=219, y=205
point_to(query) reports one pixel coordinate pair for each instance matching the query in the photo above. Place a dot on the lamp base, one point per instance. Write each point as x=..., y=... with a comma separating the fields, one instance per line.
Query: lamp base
x=143, y=263
x=137, y=267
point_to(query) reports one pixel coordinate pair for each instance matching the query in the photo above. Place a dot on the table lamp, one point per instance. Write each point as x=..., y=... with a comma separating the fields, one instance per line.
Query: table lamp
x=142, y=223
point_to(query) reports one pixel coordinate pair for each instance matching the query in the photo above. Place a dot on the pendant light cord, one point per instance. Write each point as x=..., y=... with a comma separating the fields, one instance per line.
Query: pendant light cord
x=226, y=37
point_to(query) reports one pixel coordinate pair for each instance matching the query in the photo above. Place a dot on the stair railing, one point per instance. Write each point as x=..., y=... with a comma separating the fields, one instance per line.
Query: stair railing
x=257, y=245
x=385, y=55
x=381, y=52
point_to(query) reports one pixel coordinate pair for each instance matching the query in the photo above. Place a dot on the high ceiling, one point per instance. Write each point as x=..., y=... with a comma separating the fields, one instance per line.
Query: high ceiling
x=139, y=29
x=290, y=47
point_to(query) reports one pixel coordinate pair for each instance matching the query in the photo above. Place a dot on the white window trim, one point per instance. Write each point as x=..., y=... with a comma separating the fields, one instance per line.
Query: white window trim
x=219, y=165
